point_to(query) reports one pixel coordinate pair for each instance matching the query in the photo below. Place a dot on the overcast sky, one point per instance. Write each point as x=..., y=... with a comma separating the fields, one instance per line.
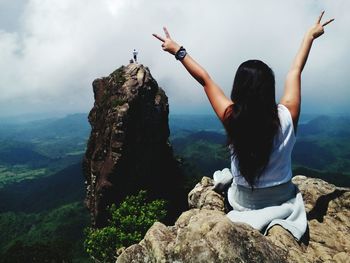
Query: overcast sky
x=52, y=50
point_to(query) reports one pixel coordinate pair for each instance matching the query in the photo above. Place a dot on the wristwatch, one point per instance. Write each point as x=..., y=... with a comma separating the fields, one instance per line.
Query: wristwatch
x=181, y=53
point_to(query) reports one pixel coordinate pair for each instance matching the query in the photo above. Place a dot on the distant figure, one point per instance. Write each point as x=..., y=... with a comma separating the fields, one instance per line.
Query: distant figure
x=135, y=55
x=131, y=61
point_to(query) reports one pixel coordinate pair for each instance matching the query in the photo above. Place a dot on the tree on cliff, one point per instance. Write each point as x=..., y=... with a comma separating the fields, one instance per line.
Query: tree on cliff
x=128, y=224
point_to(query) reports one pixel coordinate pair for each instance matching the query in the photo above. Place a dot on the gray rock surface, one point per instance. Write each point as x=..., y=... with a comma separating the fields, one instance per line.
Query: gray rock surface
x=205, y=234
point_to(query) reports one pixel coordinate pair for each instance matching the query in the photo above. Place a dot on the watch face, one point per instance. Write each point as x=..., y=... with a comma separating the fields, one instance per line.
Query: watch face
x=182, y=54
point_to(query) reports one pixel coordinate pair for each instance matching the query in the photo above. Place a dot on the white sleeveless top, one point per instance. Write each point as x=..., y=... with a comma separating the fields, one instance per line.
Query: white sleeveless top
x=279, y=167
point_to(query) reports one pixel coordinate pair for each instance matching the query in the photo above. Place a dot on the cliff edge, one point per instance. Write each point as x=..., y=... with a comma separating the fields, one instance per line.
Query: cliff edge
x=205, y=234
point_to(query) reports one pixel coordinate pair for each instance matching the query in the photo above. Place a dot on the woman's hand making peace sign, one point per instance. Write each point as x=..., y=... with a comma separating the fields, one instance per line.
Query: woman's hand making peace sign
x=216, y=96
x=318, y=29
x=168, y=45
x=292, y=89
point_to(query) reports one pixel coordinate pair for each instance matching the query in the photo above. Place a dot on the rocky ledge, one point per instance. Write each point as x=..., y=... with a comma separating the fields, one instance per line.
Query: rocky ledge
x=205, y=234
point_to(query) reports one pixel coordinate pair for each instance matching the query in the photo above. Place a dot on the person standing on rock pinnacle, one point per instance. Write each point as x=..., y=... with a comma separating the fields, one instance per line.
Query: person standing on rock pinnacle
x=261, y=136
x=134, y=53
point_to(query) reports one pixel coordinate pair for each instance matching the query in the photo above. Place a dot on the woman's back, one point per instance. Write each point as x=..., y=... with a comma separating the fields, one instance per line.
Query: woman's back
x=278, y=169
x=252, y=121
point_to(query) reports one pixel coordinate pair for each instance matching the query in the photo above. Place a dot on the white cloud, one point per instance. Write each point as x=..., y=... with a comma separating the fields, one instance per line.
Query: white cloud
x=51, y=55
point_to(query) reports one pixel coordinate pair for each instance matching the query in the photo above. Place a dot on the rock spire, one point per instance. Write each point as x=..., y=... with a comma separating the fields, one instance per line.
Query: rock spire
x=128, y=148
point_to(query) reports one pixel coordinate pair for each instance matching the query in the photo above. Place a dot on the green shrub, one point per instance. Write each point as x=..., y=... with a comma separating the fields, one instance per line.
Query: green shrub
x=101, y=244
x=119, y=76
x=128, y=224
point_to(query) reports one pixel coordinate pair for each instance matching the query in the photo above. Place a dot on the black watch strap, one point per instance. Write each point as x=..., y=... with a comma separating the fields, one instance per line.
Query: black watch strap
x=181, y=53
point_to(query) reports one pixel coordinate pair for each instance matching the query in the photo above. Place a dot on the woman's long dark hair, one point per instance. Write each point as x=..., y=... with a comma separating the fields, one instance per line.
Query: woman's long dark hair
x=252, y=121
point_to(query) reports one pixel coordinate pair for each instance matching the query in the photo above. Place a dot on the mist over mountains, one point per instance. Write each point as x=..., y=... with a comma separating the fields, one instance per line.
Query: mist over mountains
x=323, y=142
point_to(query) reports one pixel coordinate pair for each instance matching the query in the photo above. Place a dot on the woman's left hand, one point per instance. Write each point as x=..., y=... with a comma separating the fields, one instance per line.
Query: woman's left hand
x=168, y=44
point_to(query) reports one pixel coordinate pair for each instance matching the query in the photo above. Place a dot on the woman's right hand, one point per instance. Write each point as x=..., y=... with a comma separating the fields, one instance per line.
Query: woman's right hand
x=318, y=29
x=168, y=44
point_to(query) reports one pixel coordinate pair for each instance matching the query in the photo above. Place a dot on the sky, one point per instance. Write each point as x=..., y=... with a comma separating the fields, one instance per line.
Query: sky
x=52, y=50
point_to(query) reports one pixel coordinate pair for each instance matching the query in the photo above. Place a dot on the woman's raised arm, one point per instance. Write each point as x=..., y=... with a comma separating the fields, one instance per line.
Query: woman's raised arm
x=214, y=93
x=292, y=94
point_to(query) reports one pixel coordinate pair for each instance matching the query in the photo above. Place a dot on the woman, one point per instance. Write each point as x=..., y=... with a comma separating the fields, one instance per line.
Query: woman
x=261, y=136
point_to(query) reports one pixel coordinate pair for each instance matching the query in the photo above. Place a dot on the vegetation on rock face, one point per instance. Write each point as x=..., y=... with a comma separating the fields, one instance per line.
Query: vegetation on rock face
x=118, y=102
x=127, y=225
x=118, y=76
